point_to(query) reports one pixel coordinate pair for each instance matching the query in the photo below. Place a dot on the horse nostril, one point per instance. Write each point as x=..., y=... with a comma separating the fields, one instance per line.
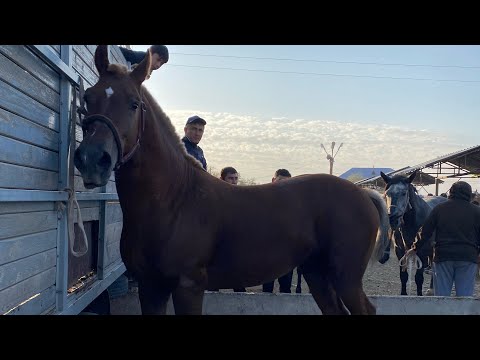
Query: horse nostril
x=105, y=161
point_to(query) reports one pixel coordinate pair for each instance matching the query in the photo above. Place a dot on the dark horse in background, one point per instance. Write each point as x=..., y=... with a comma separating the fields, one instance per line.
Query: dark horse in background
x=407, y=214
x=185, y=231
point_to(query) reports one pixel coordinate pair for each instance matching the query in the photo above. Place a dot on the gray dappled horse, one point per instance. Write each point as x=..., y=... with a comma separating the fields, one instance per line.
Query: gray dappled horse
x=407, y=213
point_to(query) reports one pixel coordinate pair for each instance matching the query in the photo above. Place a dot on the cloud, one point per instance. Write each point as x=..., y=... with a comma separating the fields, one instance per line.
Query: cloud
x=256, y=147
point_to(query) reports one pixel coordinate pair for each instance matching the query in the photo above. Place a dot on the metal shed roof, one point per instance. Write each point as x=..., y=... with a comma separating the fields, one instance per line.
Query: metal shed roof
x=462, y=163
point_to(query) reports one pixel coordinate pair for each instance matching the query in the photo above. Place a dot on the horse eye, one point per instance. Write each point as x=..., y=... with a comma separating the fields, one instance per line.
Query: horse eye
x=135, y=106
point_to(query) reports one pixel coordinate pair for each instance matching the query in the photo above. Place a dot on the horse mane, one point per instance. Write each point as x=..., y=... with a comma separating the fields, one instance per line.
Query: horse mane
x=168, y=131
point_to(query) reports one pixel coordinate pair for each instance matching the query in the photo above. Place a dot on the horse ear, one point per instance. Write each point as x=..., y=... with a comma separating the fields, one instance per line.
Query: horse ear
x=385, y=177
x=411, y=177
x=101, y=59
x=142, y=70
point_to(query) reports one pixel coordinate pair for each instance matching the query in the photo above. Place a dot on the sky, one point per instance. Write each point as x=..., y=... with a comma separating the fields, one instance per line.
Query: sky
x=272, y=106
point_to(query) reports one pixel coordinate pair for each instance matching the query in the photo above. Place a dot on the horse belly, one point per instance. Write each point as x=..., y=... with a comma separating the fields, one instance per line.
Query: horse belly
x=254, y=261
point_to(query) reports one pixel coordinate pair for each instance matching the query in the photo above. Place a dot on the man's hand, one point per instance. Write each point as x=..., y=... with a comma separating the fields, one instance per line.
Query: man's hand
x=410, y=252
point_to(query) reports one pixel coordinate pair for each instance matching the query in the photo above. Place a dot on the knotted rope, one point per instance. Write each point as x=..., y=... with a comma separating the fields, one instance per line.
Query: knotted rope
x=412, y=262
x=72, y=200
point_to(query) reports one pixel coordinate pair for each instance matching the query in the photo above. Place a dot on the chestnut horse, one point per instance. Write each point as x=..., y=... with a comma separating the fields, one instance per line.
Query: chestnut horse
x=185, y=231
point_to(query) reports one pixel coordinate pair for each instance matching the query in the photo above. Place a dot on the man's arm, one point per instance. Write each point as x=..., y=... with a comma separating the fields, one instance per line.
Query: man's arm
x=134, y=57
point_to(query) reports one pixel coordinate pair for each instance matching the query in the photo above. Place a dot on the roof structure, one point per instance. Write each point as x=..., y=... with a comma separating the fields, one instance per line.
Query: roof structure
x=365, y=173
x=463, y=163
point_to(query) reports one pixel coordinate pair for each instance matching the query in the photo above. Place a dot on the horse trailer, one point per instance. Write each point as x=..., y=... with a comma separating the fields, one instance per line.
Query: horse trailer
x=43, y=269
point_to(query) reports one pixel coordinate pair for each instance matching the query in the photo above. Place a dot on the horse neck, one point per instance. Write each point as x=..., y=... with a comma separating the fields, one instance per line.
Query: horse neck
x=159, y=168
x=414, y=216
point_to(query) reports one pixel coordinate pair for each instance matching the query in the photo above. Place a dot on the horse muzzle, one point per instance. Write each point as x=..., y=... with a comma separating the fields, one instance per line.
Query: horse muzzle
x=95, y=165
x=395, y=222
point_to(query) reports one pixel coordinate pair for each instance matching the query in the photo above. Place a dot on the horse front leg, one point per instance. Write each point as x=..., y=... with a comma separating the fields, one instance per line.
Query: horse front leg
x=419, y=280
x=188, y=296
x=154, y=294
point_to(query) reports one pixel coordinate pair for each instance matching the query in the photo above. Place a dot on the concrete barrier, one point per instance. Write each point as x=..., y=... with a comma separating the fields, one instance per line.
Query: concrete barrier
x=303, y=304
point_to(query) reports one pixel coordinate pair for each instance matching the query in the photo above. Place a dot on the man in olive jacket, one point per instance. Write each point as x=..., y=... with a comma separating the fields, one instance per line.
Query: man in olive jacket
x=456, y=244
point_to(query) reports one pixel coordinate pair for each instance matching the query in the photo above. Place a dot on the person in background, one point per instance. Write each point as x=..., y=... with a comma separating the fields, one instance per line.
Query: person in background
x=284, y=281
x=230, y=175
x=456, y=224
x=194, y=129
x=159, y=56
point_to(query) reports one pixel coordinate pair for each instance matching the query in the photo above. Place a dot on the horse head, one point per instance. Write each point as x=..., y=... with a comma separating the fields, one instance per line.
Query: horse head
x=397, y=195
x=114, y=122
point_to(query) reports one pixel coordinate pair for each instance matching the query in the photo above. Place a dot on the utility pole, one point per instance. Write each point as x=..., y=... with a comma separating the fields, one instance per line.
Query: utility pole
x=331, y=157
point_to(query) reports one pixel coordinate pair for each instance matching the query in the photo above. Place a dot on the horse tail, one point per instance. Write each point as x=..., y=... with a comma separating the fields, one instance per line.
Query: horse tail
x=382, y=244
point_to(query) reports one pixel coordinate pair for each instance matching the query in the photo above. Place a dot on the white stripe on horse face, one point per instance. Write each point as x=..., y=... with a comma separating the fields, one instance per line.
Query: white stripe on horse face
x=109, y=92
x=399, y=191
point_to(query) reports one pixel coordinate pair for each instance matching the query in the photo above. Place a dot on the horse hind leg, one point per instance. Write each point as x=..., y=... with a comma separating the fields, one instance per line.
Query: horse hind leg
x=324, y=294
x=298, y=288
x=322, y=289
x=355, y=299
x=419, y=276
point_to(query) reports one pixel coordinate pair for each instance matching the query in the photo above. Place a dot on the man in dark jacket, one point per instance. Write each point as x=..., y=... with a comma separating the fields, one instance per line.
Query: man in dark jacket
x=457, y=241
x=159, y=56
x=193, y=134
x=285, y=281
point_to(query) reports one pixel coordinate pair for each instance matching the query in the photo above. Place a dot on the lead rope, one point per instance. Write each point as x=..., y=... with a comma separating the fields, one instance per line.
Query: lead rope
x=72, y=200
x=410, y=262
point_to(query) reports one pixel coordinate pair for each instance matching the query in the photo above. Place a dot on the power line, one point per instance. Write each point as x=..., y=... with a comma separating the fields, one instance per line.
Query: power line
x=330, y=61
x=325, y=74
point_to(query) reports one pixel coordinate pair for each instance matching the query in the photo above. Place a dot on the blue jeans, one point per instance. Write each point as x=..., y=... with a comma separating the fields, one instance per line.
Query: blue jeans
x=462, y=273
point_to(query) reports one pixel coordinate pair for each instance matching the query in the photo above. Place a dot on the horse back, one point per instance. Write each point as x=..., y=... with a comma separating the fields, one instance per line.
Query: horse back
x=433, y=201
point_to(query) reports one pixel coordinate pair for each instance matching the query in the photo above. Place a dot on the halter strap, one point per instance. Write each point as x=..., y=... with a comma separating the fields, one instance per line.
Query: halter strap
x=87, y=121
x=141, y=129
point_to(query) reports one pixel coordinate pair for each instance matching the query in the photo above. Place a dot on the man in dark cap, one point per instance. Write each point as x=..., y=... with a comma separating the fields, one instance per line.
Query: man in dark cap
x=159, y=56
x=193, y=134
x=457, y=242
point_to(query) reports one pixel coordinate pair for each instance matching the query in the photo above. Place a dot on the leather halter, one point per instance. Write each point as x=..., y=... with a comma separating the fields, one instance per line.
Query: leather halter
x=88, y=120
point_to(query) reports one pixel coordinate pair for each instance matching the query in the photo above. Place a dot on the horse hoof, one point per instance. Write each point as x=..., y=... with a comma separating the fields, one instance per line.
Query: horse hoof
x=384, y=258
x=429, y=292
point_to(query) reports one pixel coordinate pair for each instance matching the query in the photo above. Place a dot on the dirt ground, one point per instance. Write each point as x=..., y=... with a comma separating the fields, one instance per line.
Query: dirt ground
x=379, y=279
x=385, y=279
